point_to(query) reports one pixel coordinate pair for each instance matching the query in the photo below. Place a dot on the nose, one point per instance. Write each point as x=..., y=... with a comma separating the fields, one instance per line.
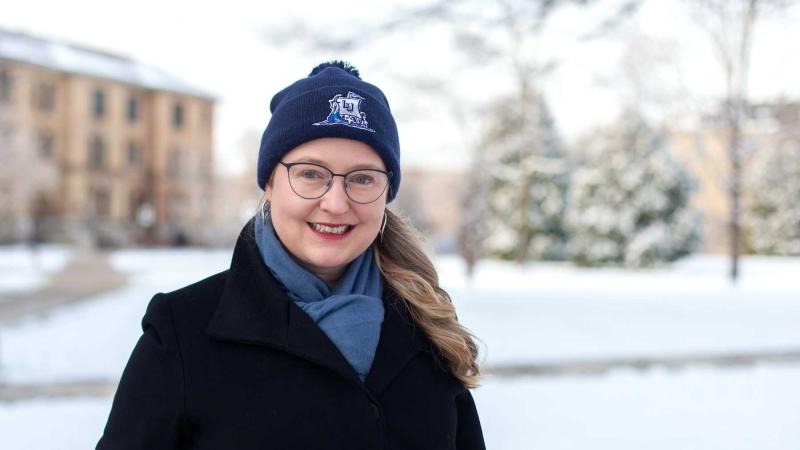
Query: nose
x=335, y=201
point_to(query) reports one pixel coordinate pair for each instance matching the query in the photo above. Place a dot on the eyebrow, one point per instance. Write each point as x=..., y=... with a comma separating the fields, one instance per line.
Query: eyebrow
x=325, y=164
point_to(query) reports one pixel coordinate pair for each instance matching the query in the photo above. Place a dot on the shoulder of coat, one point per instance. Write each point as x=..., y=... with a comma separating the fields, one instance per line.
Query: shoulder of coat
x=204, y=292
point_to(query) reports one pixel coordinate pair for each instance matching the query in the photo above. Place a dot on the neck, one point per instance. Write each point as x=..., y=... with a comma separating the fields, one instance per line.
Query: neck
x=329, y=276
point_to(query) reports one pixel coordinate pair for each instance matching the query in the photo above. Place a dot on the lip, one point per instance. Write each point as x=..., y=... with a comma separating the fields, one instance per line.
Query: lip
x=331, y=237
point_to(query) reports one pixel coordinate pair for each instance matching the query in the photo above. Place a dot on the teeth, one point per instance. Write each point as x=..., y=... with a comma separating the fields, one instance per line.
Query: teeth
x=331, y=230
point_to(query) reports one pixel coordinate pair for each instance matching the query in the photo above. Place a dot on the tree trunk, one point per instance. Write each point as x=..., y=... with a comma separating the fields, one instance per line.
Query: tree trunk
x=735, y=196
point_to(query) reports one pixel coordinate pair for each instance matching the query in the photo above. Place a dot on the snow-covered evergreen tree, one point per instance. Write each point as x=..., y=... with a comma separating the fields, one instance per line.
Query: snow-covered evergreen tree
x=526, y=180
x=773, y=213
x=628, y=200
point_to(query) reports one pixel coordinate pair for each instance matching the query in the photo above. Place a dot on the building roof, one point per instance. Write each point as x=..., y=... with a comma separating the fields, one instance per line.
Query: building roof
x=69, y=58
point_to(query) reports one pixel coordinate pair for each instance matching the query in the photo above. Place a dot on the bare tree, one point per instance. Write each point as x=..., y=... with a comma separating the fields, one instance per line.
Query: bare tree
x=730, y=26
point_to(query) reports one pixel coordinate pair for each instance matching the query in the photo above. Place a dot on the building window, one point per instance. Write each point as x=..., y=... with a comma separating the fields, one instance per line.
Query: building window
x=44, y=97
x=97, y=153
x=45, y=145
x=101, y=202
x=134, y=155
x=98, y=104
x=179, y=207
x=5, y=85
x=177, y=116
x=133, y=205
x=133, y=109
x=174, y=161
x=206, y=117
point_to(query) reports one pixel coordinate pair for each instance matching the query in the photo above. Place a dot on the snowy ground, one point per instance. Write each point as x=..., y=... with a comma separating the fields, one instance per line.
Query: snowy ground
x=535, y=314
x=22, y=270
x=552, y=312
x=704, y=409
x=731, y=409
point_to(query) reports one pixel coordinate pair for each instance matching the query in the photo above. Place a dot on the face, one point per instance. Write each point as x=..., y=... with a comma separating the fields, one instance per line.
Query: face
x=294, y=218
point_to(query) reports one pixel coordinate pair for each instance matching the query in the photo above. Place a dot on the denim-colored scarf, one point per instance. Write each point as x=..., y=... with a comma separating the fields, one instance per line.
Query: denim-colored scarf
x=350, y=313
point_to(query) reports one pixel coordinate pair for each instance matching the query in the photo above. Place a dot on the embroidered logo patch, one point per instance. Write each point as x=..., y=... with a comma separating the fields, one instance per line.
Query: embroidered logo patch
x=347, y=111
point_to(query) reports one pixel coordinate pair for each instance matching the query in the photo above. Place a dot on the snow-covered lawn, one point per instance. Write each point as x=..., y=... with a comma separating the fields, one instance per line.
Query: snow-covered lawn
x=100, y=333
x=22, y=270
x=703, y=409
x=537, y=313
x=755, y=408
x=533, y=314
x=555, y=312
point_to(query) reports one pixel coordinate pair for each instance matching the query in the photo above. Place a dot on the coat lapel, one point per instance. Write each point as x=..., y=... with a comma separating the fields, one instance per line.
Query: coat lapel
x=400, y=341
x=255, y=310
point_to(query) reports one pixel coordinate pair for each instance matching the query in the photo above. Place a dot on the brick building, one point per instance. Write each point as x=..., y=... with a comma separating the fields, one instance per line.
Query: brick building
x=98, y=146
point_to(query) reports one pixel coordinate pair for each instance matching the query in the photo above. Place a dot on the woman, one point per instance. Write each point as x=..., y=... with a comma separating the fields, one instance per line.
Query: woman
x=329, y=330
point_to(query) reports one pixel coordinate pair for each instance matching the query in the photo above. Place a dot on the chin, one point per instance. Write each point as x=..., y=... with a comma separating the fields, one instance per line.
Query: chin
x=330, y=261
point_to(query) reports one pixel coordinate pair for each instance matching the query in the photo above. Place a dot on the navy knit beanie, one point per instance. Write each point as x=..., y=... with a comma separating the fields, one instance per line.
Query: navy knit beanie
x=332, y=101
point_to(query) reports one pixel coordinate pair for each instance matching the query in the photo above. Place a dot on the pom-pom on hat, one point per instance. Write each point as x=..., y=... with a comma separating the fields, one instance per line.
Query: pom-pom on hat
x=332, y=101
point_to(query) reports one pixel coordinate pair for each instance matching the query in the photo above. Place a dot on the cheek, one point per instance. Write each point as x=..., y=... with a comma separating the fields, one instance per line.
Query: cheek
x=372, y=217
x=288, y=212
x=291, y=214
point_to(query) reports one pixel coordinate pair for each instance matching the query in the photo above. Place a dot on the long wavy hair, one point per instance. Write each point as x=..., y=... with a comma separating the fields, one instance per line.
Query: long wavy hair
x=411, y=274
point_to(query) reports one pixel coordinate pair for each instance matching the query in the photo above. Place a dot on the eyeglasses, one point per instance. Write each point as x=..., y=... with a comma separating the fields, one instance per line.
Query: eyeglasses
x=311, y=181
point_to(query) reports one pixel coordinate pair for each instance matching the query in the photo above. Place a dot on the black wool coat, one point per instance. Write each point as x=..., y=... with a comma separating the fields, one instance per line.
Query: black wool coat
x=231, y=363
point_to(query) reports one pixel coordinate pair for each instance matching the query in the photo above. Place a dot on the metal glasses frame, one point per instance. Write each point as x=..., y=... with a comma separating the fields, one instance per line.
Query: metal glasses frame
x=334, y=174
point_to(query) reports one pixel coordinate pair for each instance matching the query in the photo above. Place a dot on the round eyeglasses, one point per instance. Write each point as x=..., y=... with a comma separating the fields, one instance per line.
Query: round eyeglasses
x=311, y=181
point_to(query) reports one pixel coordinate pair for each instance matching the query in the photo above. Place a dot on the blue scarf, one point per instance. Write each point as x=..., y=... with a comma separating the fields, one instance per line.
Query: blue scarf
x=350, y=313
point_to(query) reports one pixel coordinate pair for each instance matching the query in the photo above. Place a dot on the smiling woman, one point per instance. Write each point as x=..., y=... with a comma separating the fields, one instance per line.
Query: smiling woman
x=320, y=224
x=330, y=329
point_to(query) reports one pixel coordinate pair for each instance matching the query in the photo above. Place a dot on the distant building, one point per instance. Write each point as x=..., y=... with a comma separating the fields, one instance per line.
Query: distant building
x=703, y=148
x=431, y=199
x=100, y=146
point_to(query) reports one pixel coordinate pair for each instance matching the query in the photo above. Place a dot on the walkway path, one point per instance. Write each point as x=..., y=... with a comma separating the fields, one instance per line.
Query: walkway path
x=601, y=366
x=87, y=274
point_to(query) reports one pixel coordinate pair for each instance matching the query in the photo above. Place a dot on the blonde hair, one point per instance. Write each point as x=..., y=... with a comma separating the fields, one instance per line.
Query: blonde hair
x=412, y=275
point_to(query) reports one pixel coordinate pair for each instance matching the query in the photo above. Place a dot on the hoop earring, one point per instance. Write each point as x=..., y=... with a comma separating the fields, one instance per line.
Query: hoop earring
x=383, y=225
x=266, y=207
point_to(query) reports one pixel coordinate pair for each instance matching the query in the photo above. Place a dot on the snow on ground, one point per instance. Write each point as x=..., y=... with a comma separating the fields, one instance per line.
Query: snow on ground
x=532, y=314
x=710, y=409
x=555, y=312
x=100, y=333
x=64, y=424
x=538, y=313
x=704, y=409
x=22, y=270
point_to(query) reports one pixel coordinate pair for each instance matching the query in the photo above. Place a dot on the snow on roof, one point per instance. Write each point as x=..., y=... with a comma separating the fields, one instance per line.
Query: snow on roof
x=70, y=58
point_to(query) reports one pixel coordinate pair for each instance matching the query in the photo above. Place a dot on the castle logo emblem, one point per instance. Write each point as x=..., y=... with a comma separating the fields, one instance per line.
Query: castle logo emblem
x=347, y=111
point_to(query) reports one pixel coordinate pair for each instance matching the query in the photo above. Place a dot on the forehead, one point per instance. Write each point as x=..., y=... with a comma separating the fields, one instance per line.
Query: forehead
x=337, y=154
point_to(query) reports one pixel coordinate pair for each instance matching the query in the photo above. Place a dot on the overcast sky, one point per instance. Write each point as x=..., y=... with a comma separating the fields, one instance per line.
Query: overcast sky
x=222, y=49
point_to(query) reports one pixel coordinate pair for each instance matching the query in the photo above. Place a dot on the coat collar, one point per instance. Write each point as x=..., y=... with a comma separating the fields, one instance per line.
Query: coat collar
x=255, y=310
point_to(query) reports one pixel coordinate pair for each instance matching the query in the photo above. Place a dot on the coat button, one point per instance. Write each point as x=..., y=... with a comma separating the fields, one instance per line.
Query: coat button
x=375, y=410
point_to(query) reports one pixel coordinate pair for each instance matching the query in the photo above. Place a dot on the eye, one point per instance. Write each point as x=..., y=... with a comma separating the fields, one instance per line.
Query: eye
x=310, y=174
x=362, y=179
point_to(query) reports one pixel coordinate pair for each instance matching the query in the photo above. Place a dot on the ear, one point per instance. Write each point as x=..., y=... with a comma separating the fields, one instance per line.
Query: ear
x=268, y=187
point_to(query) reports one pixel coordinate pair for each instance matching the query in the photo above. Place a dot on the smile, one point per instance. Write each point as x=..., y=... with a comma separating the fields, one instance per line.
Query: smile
x=335, y=230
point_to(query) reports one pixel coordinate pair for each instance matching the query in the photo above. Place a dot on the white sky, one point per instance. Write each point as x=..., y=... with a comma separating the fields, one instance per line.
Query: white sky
x=220, y=48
